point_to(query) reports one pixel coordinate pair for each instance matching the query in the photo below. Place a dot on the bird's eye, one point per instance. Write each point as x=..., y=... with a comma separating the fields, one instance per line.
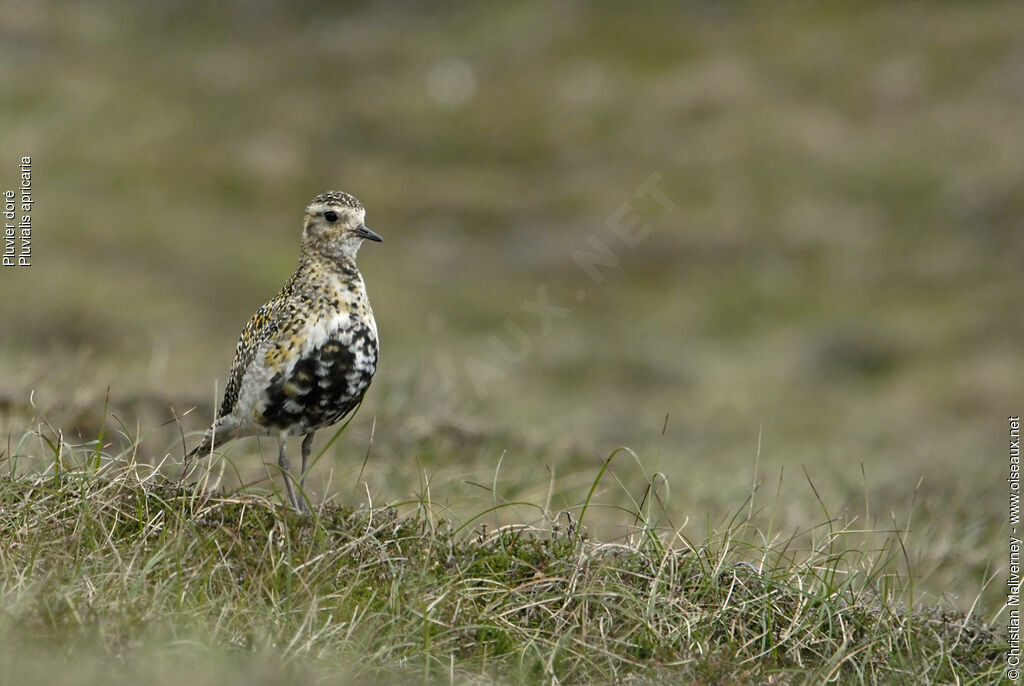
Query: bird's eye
x=331, y=216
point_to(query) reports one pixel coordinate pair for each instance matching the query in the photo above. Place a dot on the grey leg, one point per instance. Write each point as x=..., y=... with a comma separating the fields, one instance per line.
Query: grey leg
x=307, y=448
x=282, y=461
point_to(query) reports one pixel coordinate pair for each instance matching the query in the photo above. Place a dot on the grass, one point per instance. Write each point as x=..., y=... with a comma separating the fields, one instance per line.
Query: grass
x=110, y=567
x=829, y=294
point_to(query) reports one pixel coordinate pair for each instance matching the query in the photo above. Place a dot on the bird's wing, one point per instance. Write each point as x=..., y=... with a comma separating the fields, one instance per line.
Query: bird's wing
x=260, y=327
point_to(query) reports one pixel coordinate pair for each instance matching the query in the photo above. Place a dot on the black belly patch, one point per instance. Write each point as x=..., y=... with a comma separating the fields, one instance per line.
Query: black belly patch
x=322, y=387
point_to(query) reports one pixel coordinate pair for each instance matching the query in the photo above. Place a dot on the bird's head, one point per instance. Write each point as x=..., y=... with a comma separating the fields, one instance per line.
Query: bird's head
x=334, y=225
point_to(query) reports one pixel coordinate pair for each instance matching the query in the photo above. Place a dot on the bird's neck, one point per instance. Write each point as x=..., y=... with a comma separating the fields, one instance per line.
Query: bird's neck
x=331, y=258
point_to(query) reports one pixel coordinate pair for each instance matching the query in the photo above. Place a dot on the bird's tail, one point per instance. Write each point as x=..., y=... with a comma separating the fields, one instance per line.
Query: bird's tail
x=222, y=431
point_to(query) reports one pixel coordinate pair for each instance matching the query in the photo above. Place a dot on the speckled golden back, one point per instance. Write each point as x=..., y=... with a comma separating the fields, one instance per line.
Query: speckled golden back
x=307, y=356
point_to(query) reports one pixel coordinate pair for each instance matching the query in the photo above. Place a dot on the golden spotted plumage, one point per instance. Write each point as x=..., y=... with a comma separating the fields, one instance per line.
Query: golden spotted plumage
x=306, y=358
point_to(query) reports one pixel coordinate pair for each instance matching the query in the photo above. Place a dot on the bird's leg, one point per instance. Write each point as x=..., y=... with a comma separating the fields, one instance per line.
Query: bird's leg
x=307, y=448
x=282, y=461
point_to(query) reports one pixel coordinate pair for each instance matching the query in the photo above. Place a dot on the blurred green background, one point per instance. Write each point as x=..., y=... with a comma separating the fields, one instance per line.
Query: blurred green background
x=837, y=285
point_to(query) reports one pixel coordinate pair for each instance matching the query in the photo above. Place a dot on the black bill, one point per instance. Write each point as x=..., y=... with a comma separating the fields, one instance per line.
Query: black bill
x=364, y=232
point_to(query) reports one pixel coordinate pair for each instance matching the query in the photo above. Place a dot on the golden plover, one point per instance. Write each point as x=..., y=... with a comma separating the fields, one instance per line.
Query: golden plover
x=306, y=358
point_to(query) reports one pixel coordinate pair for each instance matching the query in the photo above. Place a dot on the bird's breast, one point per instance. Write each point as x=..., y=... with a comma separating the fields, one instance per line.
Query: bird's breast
x=323, y=382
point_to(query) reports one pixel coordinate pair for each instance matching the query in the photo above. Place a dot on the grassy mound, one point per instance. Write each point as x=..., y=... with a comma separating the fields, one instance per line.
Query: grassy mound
x=111, y=568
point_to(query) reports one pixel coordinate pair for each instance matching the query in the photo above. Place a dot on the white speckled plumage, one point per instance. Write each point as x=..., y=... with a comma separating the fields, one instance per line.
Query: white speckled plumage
x=306, y=358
